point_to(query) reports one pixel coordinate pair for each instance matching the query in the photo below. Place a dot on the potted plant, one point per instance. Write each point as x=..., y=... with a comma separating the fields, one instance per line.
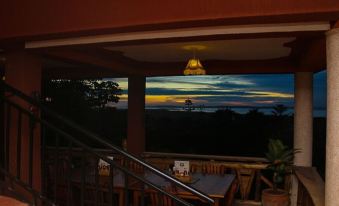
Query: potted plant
x=280, y=159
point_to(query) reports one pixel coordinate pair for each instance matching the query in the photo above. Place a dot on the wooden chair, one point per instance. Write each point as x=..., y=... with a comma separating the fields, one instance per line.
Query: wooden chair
x=229, y=199
x=194, y=168
x=135, y=167
x=102, y=196
x=245, y=178
x=213, y=168
x=157, y=198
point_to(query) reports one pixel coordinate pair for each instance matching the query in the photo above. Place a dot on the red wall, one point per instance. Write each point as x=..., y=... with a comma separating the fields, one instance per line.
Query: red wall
x=36, y=17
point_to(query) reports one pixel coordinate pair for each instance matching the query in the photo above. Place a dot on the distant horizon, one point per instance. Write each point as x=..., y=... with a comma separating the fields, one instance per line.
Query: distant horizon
x=221, y=91
x=317, y=112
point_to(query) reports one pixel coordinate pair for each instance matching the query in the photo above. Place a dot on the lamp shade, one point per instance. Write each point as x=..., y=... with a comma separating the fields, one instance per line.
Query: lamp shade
x=194, y=67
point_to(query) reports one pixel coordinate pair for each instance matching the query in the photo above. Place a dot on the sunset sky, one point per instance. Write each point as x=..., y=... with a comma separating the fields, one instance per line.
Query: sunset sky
x=225, y=90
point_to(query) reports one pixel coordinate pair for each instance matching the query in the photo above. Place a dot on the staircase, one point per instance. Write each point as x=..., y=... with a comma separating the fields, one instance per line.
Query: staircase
x=68, y=178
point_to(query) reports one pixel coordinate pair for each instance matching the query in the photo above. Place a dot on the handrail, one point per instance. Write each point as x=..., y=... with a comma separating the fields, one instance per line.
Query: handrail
x=107, y=144
x=314, y=184
x=89, y=149
x=206, y=157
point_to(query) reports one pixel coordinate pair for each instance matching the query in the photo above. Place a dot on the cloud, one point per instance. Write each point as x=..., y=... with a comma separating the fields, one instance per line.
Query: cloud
x=214, y=90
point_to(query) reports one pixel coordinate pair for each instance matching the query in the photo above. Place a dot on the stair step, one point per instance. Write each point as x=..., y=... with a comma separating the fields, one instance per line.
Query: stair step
x=8, y=201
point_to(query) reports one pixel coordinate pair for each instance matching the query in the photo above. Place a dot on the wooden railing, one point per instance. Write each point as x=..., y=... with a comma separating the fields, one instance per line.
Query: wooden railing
x=250, y=172
x=311, y=187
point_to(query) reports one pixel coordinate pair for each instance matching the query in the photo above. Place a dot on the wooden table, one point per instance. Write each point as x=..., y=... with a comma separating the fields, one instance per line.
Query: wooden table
x=216, y=186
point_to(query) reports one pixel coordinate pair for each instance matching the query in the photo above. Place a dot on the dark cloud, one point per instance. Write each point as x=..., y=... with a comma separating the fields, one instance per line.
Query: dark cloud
x=164, y=91
x=220, y=89
x=277, y=82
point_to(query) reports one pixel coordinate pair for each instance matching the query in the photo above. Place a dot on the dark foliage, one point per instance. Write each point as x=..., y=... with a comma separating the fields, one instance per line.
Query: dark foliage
x=84, y=102
x=224, y=132
x=66, y=95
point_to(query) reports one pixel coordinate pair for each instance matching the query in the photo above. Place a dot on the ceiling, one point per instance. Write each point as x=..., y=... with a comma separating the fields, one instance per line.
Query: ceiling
x=243, y=49
x=234, y=49
x=150, y=54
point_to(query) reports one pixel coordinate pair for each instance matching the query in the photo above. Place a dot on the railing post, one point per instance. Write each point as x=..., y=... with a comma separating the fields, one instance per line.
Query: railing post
x=258, y=186
x=18, y=148
x=7, y=135
x=30, y=150
x=69, y=174
x=2, y=127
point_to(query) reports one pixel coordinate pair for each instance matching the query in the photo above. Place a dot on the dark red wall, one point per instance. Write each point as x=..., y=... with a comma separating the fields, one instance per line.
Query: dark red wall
x=36, y=17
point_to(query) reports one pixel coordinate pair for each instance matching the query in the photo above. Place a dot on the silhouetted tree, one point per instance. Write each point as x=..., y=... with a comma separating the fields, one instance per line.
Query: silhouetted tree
x=201, y=107
x=67, y=95
x=254, y=113
x=226, y=114
x=188, y=105
x=84, y=102
x=279, y=110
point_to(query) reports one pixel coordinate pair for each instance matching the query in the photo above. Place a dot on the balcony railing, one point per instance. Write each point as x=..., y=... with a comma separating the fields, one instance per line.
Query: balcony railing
x=250, y=173
x=63, y=148
x=24, y=127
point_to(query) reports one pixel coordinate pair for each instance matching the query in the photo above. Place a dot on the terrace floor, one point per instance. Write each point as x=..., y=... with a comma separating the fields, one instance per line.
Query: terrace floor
x=8, y=201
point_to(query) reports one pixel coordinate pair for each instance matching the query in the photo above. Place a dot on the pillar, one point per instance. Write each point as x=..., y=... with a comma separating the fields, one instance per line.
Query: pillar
x=23, y=72
x=303, y=118
x=136, y=115
x=303, y=125
x=332, y=130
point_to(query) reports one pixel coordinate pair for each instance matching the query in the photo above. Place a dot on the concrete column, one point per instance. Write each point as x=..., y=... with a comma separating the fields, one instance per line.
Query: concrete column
x=332, y=130
x=23, y=72
x=303, y=125
x=303, y=118
x=136, y=115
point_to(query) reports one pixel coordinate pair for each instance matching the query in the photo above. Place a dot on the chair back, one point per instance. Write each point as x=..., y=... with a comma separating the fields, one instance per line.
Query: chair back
x=245, y=177
x=158, y=199
x=229, y=200
x=213, y=168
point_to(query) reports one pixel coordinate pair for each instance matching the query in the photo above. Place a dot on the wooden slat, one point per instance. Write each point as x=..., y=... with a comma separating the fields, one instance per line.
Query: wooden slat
x=265, y=180
x=245, y=177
